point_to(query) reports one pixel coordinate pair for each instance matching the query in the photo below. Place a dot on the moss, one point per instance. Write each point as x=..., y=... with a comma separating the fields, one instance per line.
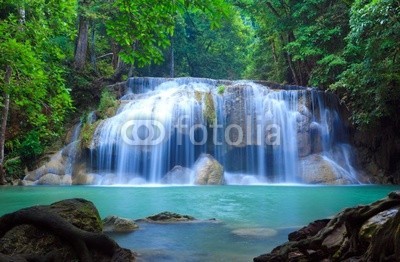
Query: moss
x=210, y=108
x=108, y=105
x=198, y=96
x=90, y=210
x=14, y=168
x=221, y=89
x=87, y=133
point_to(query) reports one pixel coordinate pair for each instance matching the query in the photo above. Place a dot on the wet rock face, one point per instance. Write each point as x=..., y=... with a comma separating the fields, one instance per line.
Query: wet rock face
x=378, y=152
x=363, y=233
x=208, y=171
x=311, y=230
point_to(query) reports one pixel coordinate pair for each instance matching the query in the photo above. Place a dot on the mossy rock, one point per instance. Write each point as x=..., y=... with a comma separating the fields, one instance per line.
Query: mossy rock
x=169, y=217
x=87, y=133
x=79, y=212
x=209, y=113
x=35, y=237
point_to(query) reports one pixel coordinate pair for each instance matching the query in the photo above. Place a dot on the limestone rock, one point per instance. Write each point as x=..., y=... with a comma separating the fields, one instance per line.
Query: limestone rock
x=118, y=224
x=303, y=144
x=315, y=169
x=208, y=171
x=55, y=166
x=49, y=179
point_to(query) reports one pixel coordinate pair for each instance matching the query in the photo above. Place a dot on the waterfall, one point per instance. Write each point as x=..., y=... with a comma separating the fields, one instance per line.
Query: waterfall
x=72, y=150
x=257, y=133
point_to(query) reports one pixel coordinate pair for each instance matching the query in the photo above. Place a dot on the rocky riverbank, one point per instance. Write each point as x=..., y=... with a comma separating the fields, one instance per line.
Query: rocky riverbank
x=362, y=233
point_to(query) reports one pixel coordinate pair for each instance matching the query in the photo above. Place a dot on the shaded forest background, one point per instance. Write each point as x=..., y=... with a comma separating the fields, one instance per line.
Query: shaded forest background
x=56, y=55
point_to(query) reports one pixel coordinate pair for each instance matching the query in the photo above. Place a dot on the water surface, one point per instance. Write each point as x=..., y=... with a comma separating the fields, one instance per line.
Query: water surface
x=250, y=220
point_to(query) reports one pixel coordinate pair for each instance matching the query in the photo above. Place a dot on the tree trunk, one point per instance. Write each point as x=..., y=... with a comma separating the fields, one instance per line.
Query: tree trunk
x=82, y=44
x=93, y=59
x=4, y=117
x=115, y=58
x=172, y=73
x=119, y=71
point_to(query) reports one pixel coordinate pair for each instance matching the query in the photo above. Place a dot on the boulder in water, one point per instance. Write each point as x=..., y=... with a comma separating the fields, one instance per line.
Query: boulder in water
x=316, y=169
x=208, y=171
x=169, y=217
x=69, y=230
x=118, y=224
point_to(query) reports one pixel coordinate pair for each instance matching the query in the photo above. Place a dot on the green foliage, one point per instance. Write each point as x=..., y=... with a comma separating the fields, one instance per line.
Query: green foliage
x=108, y=104
x=372, y=80
x=143, y=42
x=31, y=147
x=295, y=37
x=349, y=46
x=221, y=89
x=200, y=51
x=87, y=132
x=220, y=53
x=14, y=168
x=35, y=46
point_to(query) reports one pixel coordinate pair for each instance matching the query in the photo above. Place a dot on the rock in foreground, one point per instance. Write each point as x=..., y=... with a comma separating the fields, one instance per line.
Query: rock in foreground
x=169, y=217
x=363, y=233
x=68, y=230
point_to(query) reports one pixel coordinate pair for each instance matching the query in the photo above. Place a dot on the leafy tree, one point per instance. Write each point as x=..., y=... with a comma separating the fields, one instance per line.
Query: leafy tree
x=371, y=81
x=200, y=51
x=39, y=99
x=142, y=28
x=298, y=42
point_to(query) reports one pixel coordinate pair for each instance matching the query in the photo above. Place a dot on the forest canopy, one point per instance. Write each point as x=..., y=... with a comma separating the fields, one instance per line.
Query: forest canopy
x=54, y=55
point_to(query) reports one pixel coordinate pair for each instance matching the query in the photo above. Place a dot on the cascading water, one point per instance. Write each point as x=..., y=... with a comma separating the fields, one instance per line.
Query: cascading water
x=257, y=133
x=72, y=150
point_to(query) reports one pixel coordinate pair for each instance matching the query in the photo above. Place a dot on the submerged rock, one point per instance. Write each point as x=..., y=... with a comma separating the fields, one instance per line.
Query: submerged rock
x=208, y=171
x=255, y=232
x=169, y=217
x=363, y=233
x=69, y=230
x=118, y=224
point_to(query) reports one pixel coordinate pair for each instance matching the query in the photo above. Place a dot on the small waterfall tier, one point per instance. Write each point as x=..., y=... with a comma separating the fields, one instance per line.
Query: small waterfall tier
x=257, y=131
